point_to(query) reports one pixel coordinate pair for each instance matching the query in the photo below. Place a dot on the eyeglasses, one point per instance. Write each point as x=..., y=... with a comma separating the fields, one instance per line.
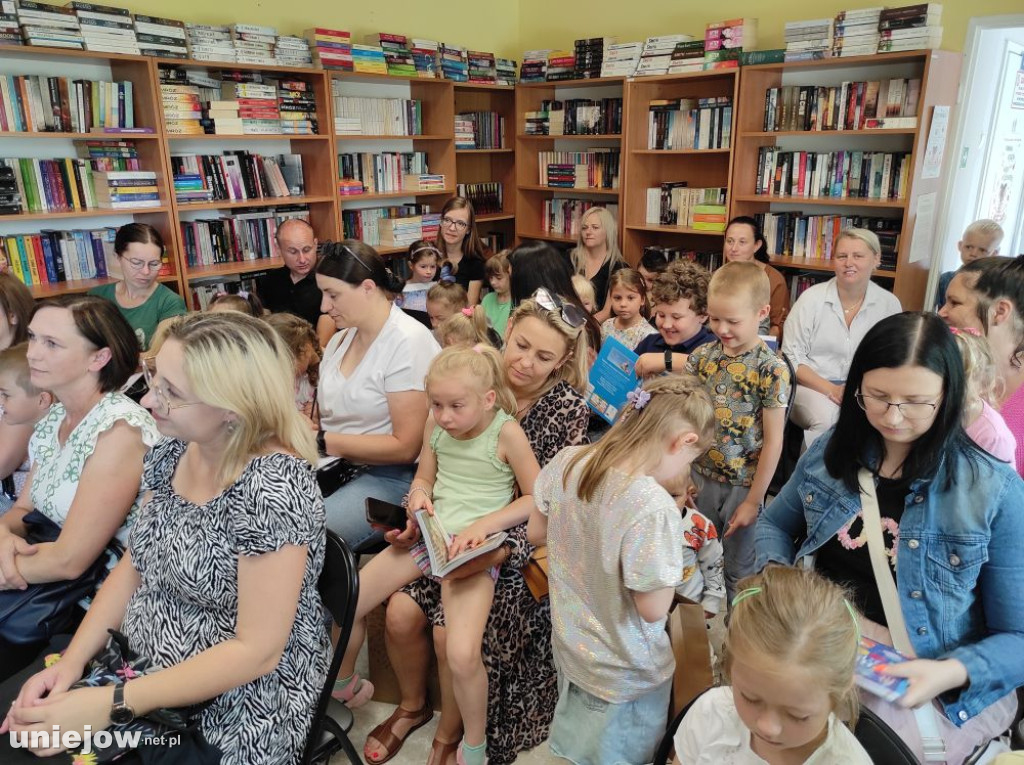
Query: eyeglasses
x=163, y=405
x=458, y=225
x=912, y=410
x=571, y=313
x=139, y=265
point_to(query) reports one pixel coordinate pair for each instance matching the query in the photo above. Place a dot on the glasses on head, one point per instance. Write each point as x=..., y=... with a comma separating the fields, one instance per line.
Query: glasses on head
x=911, y=410
x=458, y=225
x=161, y=400
x=139, y=265
x=571, y=313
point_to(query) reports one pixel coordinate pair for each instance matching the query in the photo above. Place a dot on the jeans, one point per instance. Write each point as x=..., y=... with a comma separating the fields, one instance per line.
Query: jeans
x=346, y=508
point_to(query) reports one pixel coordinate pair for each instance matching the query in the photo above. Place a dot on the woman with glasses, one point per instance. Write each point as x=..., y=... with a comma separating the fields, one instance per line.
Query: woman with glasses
x=140, y=298
x=596, y=255
x=951, y=524
x=826, y=325
x=460, y=245
x=86, y=452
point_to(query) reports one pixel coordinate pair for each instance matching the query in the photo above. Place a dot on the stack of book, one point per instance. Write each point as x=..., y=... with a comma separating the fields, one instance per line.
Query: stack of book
x=562, y=216
x=676, y=204
x=535, y=66
x=39, y=104
x=592, y=169
x=254, y=44
x=506, y=74
x=686, y=123
x=910, y=27
x=590, y=56
x=220, y=117
x=725, y=40
x=106, y=29
x=487, y=198
x=258, y=107
x=53, y=26
x=126, y=189
x=360, y=115
x=561, y=65
x=382, y=172
x=297, y=106
x=51, y=256
x=190, y=188
x=424, y=56
x=10, y=195
x=210, y=43
x=479, y=130
x=482, y=68
x=400, y=232
x=364, y=224
x=657, y=54
x=397, y=55
x=875, y=104
x=855, y=32
x=368, y=59
x=349, y=187
x=109, y=155
x=161, y=37
x=292, y=51
x=537, y=123
x=238, y=237
x=687, y=57
x=454, y=63
x=808, y=40
x=330, y=48
x=181, y=105
x=10, y=31
x=833, y=174
x=423, y=182
x=464, y=137
x=240, y=175
x=621, y=59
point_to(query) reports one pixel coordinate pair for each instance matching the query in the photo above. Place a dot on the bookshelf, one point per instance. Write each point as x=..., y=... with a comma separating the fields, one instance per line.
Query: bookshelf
x=648, y=167
x=938, y=72
x=530, y=193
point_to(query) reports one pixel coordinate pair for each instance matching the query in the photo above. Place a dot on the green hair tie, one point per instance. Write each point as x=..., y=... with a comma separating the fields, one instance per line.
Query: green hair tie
x=853, y=615
x=741, y=596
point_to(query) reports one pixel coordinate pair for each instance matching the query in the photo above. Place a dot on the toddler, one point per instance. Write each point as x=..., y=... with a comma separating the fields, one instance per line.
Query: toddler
x=424, y=260
x=703, y=572
x=240, y=302
x=300, y=338
x=981, y=421
x=585, y=290
x=498, y=302
x=981, y=239
x=444, y=299
x=467, y=327
x=22, y=405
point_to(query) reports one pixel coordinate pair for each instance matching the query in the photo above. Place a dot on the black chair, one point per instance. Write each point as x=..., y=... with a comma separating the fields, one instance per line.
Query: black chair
x=880, y=741
x=787, y=460
x=339, y=590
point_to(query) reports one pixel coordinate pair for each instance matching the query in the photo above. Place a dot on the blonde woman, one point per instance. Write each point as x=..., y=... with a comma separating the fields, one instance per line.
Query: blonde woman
x=596, y=255
x=218, y=586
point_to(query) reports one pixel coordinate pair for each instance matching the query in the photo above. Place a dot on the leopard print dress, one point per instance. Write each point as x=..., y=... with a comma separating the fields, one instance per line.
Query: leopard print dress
x=522, y=683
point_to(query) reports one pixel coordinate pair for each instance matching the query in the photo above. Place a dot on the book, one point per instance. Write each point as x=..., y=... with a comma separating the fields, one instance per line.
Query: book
x=612, y=377
x=872, y=659
x=437, y=541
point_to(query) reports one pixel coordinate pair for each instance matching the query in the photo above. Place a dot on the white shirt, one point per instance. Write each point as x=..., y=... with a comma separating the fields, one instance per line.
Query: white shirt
x=713, y=734
x=396, y=361
x=816, y=334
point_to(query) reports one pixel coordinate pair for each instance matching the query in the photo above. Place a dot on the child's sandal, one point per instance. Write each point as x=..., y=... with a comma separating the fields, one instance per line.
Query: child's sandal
x=353, y=693
x=460, y=759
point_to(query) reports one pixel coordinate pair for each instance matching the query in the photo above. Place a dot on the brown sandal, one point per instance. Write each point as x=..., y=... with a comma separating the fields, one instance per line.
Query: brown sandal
x=385, y=733
x=440, y=751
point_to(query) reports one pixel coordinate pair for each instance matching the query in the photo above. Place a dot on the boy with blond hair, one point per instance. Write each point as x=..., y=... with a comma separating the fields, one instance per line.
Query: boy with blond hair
x=981, y=239
x=749, y=387
x=22, y=405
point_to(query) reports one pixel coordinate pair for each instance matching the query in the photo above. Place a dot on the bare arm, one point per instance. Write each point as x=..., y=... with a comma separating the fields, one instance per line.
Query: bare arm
x=774, y=422
x=473, y=293
x=537, y=528
x=408, y=411
x=653, y=606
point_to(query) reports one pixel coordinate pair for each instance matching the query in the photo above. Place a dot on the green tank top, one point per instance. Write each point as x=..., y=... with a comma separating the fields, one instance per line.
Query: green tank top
x=471, y=481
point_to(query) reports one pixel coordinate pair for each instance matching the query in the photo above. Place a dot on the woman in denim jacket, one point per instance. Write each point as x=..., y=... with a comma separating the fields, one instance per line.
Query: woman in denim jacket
x=952, y=516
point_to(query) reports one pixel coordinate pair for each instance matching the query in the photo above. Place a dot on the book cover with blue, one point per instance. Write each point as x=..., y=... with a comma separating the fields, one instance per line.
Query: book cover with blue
x=872, y=659
x=612, y=377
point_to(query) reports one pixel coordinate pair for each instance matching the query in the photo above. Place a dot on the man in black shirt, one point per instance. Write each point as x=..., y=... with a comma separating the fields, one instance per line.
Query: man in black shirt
x=292, y=288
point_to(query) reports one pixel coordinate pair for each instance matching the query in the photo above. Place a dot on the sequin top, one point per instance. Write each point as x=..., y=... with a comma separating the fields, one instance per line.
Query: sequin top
x=627, y=538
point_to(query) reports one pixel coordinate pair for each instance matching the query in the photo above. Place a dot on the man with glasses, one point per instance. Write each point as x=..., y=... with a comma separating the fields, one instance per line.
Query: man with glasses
x=292, y=288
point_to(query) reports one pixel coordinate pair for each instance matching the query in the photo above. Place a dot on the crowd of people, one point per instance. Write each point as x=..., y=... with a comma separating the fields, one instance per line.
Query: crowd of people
x=193, y=518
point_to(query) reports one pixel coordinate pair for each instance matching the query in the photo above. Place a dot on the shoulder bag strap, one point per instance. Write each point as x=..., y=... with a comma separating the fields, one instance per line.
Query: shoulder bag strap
x=927, y=721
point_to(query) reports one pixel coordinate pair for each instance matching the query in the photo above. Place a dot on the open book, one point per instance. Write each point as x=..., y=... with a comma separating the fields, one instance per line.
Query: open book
x=437, y=540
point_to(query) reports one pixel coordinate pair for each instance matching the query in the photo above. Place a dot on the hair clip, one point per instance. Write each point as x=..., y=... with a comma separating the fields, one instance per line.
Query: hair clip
x=220, y=295
x=467, y=311
x=243, y=294
x=447, y=277
x=747, y=593
x=479, y=348
x=425, y=248
x=965, y=331
x=638, y=397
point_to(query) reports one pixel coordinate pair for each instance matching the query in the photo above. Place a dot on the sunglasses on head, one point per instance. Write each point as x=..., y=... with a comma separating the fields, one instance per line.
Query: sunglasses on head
x=571, y=313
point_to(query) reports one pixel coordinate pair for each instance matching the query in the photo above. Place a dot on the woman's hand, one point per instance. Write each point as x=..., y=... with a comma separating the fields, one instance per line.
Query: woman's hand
x=835, y=394
x=405, y=538
x=928, y=678
x=11, y=546
x=72, y=711
x=52, y=680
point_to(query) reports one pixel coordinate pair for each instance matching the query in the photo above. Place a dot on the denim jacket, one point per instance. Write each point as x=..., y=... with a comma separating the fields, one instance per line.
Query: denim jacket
x=960, y=561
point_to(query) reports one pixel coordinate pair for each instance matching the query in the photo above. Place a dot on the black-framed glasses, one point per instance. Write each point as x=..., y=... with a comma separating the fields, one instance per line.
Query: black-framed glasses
x=911, y=410
x=458, y=225
x=160, y=397
x=571, y=313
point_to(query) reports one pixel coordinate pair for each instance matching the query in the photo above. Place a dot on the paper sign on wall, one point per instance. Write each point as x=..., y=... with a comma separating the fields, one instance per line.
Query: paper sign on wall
x=924, y=229
x=936, y=142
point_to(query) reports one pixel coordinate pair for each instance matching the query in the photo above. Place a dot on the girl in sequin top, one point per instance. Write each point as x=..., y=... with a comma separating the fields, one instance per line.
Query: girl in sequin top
x=614, y=537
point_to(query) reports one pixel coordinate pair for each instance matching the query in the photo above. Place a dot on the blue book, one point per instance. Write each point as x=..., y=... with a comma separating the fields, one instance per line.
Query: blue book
x=872, y=659
x=612, y=377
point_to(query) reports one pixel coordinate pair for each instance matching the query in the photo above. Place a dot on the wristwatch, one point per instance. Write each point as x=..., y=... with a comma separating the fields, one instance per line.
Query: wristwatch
x=120, y=713
x=321, y=442
x=668, y=359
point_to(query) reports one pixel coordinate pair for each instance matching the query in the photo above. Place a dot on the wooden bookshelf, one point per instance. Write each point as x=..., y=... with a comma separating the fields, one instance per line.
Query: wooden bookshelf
x=939, y=73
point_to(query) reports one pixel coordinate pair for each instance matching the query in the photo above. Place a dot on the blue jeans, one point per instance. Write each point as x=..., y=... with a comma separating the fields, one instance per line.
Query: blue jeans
x=346, y=508
x=587, y=730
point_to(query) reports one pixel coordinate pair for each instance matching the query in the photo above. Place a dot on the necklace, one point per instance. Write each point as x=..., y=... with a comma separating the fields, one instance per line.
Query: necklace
x=523, y=409
x=854, y=307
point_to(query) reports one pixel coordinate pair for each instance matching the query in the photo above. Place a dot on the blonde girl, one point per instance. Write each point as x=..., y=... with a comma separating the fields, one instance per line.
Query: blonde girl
x=473, y=453
x=444, y=299
x=597, y=256
x=985, y=426
x=789, y=655
x=467, y=327
x=239, y=302
x=300, y=338
x=627, y=292
x=585, y=290
x=615, y=555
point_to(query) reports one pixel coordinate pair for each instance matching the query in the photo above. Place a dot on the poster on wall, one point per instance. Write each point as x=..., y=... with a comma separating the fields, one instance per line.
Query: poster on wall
x=1017, y=99
x=936, y=142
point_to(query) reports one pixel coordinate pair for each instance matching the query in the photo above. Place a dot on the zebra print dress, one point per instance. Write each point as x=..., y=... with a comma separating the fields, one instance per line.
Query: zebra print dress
x=187, y=558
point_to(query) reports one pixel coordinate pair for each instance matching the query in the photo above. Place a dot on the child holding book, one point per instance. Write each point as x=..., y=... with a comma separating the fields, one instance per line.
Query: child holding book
x=985, y=426
x=628, y=294
x=613, y=534
x=981, y=239
x=789, y=656
x=300, y=338
x=680, y=295
x=444, y=299
x=750, y=387
x=424, y=261
x=497, y=303
x=473, y=453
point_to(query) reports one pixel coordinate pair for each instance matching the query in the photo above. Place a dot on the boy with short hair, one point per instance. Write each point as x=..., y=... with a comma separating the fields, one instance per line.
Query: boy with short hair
x=680, y=298
x=981, y=239
x=22, y=405
x=749, y=387
x=497, y=303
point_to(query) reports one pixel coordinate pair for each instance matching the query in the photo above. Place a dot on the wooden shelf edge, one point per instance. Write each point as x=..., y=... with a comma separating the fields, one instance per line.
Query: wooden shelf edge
x=394, y=195
x=546, y=237
x=193, y=64
x=594, y=82
x=262, y=202
x=483, y=218
x=674, y=230
x=430, y=137
x=662, y=152
x=79, y=136
x=485, y=151
x=244, y=137
x=573, y=190
x=52, y=289
x=866, y=131
x=229, y=269
x=818, y=264
x=839, y=62
x=341, y=74
x=100, y=212
x=891, y=204
x=597, y=137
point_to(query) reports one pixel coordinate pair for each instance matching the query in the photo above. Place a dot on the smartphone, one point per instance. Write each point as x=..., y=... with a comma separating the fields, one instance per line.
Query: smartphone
x=385, y=515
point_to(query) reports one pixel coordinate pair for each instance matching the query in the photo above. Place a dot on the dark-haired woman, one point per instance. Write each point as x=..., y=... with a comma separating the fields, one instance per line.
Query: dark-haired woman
x=951, y=518
x=86, y=453
x=140, y=298
x=744, y=241
x=16, y=306
x=458, y=240
x=371, y=397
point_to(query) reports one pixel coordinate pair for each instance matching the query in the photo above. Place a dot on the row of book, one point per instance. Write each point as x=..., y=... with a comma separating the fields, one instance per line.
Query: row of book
x=246, y=44
x=849, y=106
x=364, y=224
x=561, y=217
x=50, y=257
x=71, y=185
x=671, y=252
x=687, y=123
x=37, y=103
x=358, y=115
x=77, y=25
x=236, y=175
x=487, y=198
x=833, y=174
x=383, y=172
x=865, y=31
x=596, y=168
x=402, y=232
x=675, y=203
x=576, y=116
x=479, y=130
x=203, y=292
x=793, y=234
x=235, y=238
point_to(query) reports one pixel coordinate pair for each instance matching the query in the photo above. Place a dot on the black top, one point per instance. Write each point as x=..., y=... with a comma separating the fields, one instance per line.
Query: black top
x=470, y=270
x=845, y=558
x=601, y=279
x=656, y=343
x=281, y=295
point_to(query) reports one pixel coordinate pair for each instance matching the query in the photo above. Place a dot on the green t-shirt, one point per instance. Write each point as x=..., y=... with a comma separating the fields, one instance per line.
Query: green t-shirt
x=162, y=304
x=497, y=313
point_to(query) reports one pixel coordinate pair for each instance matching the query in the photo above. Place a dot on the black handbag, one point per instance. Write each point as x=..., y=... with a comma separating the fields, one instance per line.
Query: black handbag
x=45, y=609
x=334, y=475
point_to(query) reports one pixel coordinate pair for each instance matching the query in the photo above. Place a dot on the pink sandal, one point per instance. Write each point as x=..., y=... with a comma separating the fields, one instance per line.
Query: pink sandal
x=354, y=693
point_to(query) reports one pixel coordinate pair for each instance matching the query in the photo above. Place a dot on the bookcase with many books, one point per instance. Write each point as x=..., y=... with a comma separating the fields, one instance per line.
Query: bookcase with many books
x=829, y=143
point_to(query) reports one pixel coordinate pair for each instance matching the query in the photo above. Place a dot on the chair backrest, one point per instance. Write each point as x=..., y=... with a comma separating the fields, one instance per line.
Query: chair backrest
x=339, y=590
x=881, y=742
x=665, y=747
x=792, y=384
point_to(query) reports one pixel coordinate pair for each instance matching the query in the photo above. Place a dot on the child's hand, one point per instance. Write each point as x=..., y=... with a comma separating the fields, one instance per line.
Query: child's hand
x=418, y=500
x=649, y=364
x=928, y=678
x=744, y=515
x=473, y=536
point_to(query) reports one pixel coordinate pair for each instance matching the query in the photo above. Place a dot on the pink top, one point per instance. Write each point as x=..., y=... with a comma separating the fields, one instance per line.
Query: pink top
x=1013, y=415
x=990, y=432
